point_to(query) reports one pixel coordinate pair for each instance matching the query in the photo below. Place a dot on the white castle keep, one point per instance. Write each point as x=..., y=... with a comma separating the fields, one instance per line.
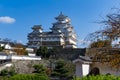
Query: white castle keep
x=62, y=35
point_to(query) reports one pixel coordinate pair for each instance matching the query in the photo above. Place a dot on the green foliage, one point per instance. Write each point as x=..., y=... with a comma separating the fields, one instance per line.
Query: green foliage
x=42, y=51
x=3, y=78
x=26, y=52
x=12, y=72
x=60, y=69
x=6, y=72
x=52, y=52
x=29, y=77
x=70, y=66
x=1, y=48
x=47, y=53
x=39, y=74
x=39, y=68
x=98, y=77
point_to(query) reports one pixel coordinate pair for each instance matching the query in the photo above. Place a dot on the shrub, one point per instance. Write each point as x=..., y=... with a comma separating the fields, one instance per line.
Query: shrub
x=39, y=68
x=98, y=77
x=29, y=77
x=4, y=72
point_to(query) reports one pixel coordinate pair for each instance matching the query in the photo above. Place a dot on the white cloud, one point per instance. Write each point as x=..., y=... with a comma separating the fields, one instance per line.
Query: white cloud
x=7, y=19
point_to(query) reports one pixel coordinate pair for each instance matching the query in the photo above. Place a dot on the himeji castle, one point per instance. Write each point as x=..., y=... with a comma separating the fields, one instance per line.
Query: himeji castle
x=62, y=35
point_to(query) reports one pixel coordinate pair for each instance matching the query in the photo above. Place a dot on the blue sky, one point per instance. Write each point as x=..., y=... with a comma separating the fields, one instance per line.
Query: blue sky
x=18, y=16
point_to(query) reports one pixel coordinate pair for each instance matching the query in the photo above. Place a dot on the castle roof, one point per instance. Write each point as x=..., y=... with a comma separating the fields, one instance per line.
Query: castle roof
x=61, y=16
x=36, y=27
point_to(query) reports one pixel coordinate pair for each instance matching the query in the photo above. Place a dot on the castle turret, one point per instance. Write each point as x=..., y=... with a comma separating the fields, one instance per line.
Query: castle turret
x=34, y=39
x=37, y=28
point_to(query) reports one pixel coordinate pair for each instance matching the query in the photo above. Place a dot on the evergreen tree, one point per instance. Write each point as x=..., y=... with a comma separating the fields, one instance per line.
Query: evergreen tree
x=42, y=51
x=39, y=69
x=60, y=70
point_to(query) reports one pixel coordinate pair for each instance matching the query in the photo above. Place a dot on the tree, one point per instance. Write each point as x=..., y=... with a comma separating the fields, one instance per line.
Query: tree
x=6, y=72
x=1, y=48
x=110, y=33
x=53, y=52
x=100, y=44
x=19, y=49
x=60, y=70
x=42, y=51
x=39, y=68
x=25, y=52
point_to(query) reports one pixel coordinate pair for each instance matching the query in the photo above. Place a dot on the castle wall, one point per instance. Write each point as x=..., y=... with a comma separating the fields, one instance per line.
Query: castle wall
x=70, y=53
x=105, y=68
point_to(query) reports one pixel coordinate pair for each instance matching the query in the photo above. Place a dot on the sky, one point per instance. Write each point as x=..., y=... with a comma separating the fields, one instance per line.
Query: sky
x=18, y=16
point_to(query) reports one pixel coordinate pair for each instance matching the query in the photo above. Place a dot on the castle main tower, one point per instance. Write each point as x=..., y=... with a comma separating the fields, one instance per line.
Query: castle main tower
x=64, y=24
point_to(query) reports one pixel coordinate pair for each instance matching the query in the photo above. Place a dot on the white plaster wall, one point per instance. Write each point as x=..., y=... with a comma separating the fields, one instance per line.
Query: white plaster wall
x=7, y=46
x=9, y=65
x=31, y=54
x=29, y=49
x=3, y=57
x=16, y=57
x=85, y=69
